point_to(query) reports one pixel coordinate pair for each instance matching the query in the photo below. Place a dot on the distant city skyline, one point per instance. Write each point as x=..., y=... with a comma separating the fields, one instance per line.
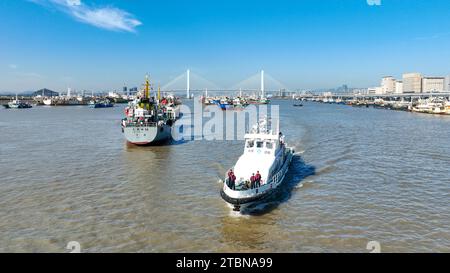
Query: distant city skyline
x=309, y=45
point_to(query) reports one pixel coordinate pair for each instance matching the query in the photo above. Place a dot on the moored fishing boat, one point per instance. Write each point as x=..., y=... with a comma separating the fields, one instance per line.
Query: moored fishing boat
x=101, y=104
x=63, y=101
x=298, y=103
x=258, y=100
x=447, y=107
x=401, y=105
x=430, y=106
x=48, y=101
x=207, y=100
x=231, y=104
x=17, y=104
x=261, y=169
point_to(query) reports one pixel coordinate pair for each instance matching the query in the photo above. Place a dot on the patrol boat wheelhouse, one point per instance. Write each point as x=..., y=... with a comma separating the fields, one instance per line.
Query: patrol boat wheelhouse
x=148, y=119
x=265, y=152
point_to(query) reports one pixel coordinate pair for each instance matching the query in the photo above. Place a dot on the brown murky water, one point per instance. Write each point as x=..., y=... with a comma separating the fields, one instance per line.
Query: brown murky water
x=66, y=174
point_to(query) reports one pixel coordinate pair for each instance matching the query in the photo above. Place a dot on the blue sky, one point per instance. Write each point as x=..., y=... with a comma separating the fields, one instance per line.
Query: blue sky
x=99, y=45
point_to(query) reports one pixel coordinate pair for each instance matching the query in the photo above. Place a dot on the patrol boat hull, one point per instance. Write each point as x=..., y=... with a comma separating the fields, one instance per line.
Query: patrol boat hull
x=147, y=134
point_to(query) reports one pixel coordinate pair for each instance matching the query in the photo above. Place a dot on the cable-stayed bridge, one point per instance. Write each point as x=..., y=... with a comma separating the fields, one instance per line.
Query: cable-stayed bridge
x=192, y=84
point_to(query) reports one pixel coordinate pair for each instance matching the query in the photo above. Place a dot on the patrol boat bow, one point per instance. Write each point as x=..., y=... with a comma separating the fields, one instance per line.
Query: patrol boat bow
x=265, y=152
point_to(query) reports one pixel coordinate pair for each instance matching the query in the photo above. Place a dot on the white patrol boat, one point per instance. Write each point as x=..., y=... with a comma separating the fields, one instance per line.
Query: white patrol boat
x=265, y=153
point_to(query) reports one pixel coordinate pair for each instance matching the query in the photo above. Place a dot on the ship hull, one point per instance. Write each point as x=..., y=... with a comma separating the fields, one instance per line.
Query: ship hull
x=102, y=106
x=231, y=107
x=246, y=201
x=147, y=135
x=17, y=106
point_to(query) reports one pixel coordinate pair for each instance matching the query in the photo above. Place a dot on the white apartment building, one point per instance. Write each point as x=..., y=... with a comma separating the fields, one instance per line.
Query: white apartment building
x=447, y=83
x=375, y=91
x=412, y=83
x=433, y=84
x=388, y=85
x=398, y=87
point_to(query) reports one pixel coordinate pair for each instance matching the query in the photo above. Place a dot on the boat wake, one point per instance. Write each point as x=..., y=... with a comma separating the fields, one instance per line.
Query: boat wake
x=304, y=184
x=236, y=214
x=295, y=180
x=325, y=170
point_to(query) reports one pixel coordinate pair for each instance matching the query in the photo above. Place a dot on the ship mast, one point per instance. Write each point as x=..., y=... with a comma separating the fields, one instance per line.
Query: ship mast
x=147, y=86
x=262, y=84
x=159, y=92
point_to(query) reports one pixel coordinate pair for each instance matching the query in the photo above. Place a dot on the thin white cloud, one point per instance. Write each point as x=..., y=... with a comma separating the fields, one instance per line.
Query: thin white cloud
x=74, y=2
x=13, y=66
x=109, y=18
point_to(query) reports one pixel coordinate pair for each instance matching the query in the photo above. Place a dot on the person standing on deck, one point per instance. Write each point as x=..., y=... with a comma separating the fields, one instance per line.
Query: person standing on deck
x=281, y=137
x=258, y=179
x=233, y=181
x=252, y=181
x=230, y=177
x=230, y=173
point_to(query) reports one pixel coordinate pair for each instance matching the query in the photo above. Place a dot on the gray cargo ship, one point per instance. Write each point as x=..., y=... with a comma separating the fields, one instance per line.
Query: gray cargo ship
x=149, y=119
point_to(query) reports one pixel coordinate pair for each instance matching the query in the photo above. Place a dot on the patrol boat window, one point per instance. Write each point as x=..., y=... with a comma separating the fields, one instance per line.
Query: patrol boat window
x=250, y=144
x=259, y=144
x=269, y=145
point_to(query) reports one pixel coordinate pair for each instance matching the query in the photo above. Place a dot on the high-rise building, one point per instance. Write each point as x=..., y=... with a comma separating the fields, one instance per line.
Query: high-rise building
x=388, y=85
x=398, y=87
x=433, y=84
x=447, y=83
x=345, y=88
x=412, y=83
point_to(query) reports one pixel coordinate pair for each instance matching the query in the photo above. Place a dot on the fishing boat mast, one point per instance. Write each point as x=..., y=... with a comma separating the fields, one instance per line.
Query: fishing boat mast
x=262, y=84
x=159, y=92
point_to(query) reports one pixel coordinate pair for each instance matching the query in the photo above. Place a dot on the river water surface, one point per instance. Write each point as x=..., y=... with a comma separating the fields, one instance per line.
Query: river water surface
x=360, y=175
